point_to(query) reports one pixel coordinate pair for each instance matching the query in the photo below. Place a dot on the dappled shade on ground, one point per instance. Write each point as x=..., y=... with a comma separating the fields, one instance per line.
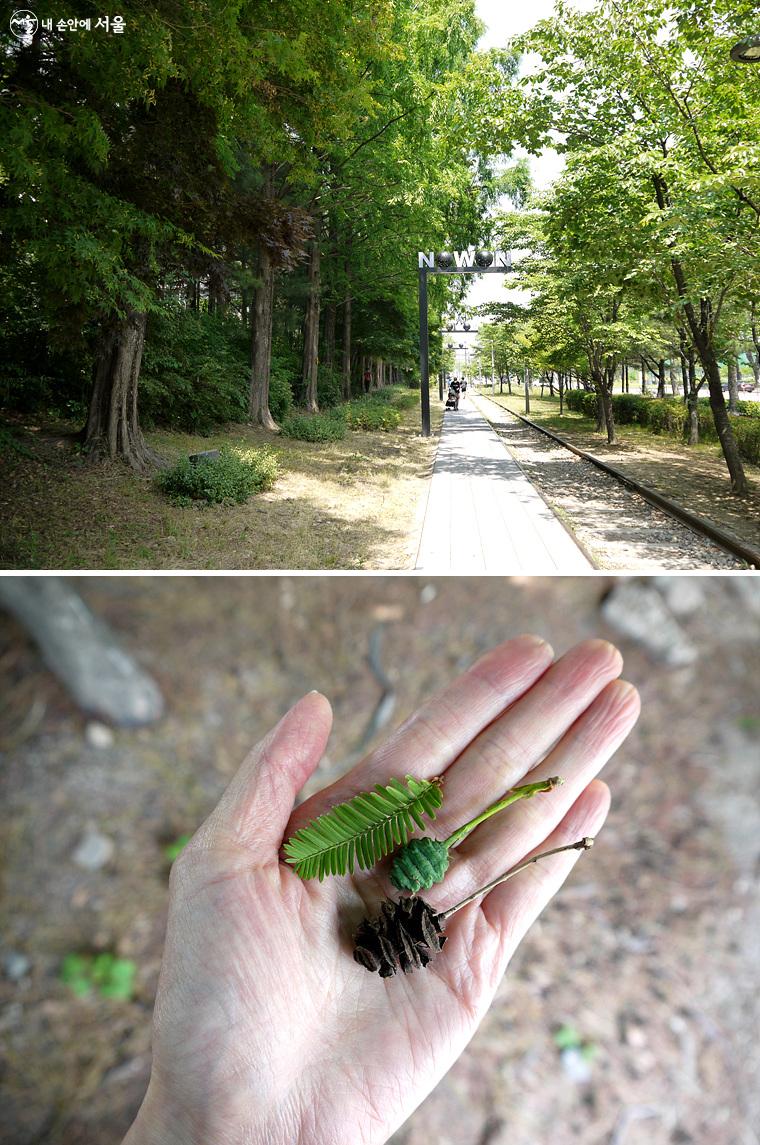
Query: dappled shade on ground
x=349, y=504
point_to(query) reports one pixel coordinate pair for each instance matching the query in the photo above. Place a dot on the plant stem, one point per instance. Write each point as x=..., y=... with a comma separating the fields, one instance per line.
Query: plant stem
x=581, y=845
x=512, y=796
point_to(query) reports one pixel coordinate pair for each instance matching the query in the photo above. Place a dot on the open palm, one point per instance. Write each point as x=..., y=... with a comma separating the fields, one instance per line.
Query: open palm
x=265, y=1029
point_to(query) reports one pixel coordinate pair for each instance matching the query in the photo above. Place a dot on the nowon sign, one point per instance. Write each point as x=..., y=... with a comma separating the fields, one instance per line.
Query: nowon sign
x=459, y=261
x=449, y=262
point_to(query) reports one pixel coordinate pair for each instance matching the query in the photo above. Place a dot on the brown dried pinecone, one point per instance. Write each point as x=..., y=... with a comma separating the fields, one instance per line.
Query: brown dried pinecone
x=406, y=933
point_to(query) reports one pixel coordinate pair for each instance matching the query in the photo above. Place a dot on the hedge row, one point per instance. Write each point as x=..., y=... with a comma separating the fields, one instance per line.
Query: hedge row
x=671, y=416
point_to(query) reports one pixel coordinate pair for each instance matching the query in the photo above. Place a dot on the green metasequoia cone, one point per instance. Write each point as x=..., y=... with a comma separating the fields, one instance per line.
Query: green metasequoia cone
x=408, y=934
x=423, y=862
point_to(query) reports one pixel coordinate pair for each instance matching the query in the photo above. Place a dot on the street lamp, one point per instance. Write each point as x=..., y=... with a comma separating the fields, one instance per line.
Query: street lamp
x=747, y=51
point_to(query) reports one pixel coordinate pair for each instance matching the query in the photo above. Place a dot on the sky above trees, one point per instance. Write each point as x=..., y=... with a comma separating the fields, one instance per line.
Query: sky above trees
x=504, y=20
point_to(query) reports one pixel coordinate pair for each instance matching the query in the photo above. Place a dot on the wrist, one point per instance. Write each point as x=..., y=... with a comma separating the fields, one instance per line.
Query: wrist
x=160, y=1121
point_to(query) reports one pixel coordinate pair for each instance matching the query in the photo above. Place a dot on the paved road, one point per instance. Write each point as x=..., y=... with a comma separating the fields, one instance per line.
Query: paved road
x=483, y=515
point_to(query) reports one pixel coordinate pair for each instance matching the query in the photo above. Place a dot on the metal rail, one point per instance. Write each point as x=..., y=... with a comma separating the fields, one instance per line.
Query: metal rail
x=725, y=541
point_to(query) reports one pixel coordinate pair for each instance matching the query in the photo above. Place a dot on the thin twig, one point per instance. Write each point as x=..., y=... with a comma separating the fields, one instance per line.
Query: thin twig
x=581, y=845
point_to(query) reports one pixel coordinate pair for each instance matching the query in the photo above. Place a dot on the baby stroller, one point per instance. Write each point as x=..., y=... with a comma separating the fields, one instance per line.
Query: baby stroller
x=452, y=399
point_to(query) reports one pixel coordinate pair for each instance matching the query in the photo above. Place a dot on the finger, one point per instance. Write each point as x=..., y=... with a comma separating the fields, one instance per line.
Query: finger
x=503, y=755
x=513, y=907
x=483, y=936
x=433, y=737
x=580, y=755
x=254, y=810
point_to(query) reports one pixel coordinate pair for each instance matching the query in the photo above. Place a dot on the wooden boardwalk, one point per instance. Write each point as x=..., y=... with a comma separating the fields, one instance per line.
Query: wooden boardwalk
x=483, y=515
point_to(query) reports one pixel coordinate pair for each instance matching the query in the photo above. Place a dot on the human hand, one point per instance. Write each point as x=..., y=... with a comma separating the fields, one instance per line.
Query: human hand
x=265, y=1030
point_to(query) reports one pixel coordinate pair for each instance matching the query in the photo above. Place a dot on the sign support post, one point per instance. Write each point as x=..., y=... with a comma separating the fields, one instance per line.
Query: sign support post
x=424, y=355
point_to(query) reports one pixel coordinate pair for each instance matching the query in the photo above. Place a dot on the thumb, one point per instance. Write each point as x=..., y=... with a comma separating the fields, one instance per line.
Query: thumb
x=255, y=808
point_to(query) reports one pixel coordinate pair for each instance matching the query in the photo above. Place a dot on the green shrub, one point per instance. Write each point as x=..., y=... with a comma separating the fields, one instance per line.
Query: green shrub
x=330, y=426
x=231, y=477
x=112, y=977
x=9, y=443
x=368, y=414
x=747, y=434
x=581, y=401
x=671, y=416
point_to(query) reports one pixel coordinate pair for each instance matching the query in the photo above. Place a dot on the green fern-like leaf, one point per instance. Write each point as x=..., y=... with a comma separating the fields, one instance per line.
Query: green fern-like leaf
x=363, y=829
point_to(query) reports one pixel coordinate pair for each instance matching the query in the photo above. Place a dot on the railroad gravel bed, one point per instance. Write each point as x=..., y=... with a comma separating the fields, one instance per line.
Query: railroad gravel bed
x=619, y=529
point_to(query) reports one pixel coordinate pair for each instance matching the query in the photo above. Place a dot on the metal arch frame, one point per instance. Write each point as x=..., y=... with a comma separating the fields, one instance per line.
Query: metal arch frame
x=428, y=263
x=738, y=51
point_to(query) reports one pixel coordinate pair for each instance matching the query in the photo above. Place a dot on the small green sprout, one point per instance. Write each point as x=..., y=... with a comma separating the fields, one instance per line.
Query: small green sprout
x=110, y=976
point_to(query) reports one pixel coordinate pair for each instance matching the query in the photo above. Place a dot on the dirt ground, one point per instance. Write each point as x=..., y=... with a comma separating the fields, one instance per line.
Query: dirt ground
x=350, y=504
x=651, y=952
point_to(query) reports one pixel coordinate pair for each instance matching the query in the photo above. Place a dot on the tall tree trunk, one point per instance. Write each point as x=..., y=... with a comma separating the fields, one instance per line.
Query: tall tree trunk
x=561, y=387
x=643, y=376
x=598, y=384
x=673, y=378
x=689, y=382
x=692, y=404
x=218, y=294
x=709, y=360
x=755, y=331
x=608, y=381
x=330, y=323
x=702, y=340
x=684, y=366
x=261, y=339
x=311, y=328
x=754, y=362
x=733, y=382
x=112, y=428
x=347, y=349
x=661, y=378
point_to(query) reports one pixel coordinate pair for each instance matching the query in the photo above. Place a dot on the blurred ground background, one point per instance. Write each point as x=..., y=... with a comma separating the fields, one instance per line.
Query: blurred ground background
x=645, y=969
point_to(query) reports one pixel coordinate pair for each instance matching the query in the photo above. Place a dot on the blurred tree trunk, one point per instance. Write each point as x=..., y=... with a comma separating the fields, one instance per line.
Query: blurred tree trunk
x=82, y=652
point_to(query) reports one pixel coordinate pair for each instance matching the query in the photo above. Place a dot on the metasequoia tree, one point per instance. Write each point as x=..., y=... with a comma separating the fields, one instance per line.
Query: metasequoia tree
x=644, y=91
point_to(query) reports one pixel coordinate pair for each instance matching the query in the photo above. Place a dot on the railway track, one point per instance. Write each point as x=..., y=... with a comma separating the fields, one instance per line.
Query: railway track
x=725, y=541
